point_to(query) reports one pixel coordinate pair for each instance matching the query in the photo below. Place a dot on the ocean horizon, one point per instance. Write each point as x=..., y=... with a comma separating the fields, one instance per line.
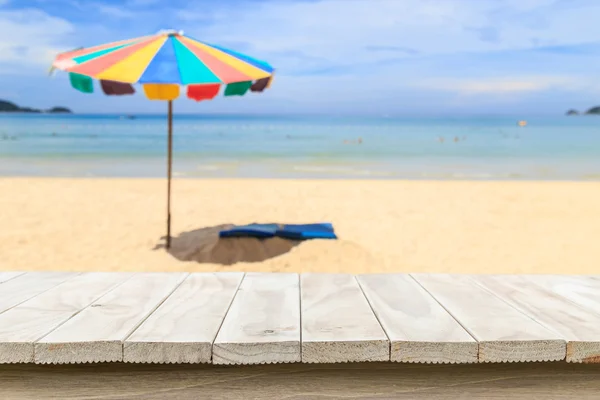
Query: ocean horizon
x=297, y=146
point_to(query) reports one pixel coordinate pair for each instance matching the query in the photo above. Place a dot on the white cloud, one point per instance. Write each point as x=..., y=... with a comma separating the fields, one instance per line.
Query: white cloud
x=505, y=85
x=359, y=39
x=30, y=37
x=142, y=3
x=296, y=36
x=114, y=11
x=340, y=32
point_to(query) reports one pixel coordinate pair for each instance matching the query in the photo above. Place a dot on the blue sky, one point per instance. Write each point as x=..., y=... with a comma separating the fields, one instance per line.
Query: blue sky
x=399, y=57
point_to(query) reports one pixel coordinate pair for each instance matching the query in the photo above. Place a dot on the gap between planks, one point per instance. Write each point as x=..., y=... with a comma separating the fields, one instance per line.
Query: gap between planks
x=24, y=324
x=184, y=327
x=6, y=276
x=338, y=324
x=419, y=329
x=262, y=325
x=576, y=323
x=23, y=287
x=504, y=333
x=97, y=333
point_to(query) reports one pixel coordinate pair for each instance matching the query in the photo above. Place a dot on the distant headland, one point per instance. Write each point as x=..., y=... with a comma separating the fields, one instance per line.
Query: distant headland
x=591, y=111
x=7, y=106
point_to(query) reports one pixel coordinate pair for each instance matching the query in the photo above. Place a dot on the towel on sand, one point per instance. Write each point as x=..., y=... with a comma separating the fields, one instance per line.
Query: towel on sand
x=287, y=231
x=251, y=230
x=307, y=231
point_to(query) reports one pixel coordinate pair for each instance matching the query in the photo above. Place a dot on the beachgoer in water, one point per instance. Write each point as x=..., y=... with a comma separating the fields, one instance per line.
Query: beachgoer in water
x=359, y=141
x=455, y=139
x=441, y=139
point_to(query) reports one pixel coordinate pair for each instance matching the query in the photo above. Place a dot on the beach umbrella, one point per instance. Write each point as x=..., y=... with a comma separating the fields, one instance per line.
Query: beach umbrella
x=162, y=64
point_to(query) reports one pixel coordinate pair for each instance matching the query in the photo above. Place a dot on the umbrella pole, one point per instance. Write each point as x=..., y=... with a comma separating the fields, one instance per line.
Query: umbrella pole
x=169, y=166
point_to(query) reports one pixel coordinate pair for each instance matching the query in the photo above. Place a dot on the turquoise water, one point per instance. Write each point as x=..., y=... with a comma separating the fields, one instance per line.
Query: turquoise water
x=302, y=147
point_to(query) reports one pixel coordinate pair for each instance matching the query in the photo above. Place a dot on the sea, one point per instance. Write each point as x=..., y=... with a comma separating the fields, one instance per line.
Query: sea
x=313, y=147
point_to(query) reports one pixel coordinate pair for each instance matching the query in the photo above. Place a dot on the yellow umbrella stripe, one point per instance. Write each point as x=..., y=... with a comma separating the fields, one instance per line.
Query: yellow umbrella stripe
x=131, y=68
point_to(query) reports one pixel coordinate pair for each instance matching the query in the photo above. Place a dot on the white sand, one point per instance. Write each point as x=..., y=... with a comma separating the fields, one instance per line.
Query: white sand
x=471, y=227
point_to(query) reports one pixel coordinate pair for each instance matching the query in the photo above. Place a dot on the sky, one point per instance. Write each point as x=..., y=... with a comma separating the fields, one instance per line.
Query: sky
x=372, y=57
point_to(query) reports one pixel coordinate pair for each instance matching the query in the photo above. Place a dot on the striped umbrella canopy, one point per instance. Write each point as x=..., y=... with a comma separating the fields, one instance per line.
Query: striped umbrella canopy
x=162, y=64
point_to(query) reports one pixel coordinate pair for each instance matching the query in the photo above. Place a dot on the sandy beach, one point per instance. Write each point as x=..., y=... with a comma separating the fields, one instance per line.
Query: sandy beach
x=384, y=226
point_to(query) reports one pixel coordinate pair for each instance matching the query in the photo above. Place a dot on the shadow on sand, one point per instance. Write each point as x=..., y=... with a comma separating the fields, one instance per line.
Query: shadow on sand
x=205, y=246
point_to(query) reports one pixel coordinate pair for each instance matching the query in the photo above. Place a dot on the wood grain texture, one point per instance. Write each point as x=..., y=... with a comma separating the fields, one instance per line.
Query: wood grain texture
x=419, y=329
x=23, y=325
x=263, y=322
x=360, y=381
x=338, y=324
x=183, y=328
x=581, y=290
x=578, y=326
x=97, y=333
x=24, y=287
x=8, y=275
x=504, y=333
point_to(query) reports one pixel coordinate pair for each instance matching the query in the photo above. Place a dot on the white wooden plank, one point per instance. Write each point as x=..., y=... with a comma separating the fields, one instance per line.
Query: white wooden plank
x=504, y=333
x=97, y=333
x=23, y=325
x=8, y=275
x=262, y=325
x=24, y=287
x=338, y=324
x=581, y=290
x=184, y=327
x=578, y=326
x=419, y=329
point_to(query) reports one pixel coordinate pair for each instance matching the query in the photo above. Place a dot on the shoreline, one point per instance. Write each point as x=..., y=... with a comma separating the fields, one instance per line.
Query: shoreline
x=332, y=169
x=110, y=224
x=469, y=179
x=272, y=179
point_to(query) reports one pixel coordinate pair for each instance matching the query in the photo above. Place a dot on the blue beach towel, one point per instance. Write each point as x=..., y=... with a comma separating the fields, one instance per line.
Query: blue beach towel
x=251, y=230
x=289, y=231
x=307, y=231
